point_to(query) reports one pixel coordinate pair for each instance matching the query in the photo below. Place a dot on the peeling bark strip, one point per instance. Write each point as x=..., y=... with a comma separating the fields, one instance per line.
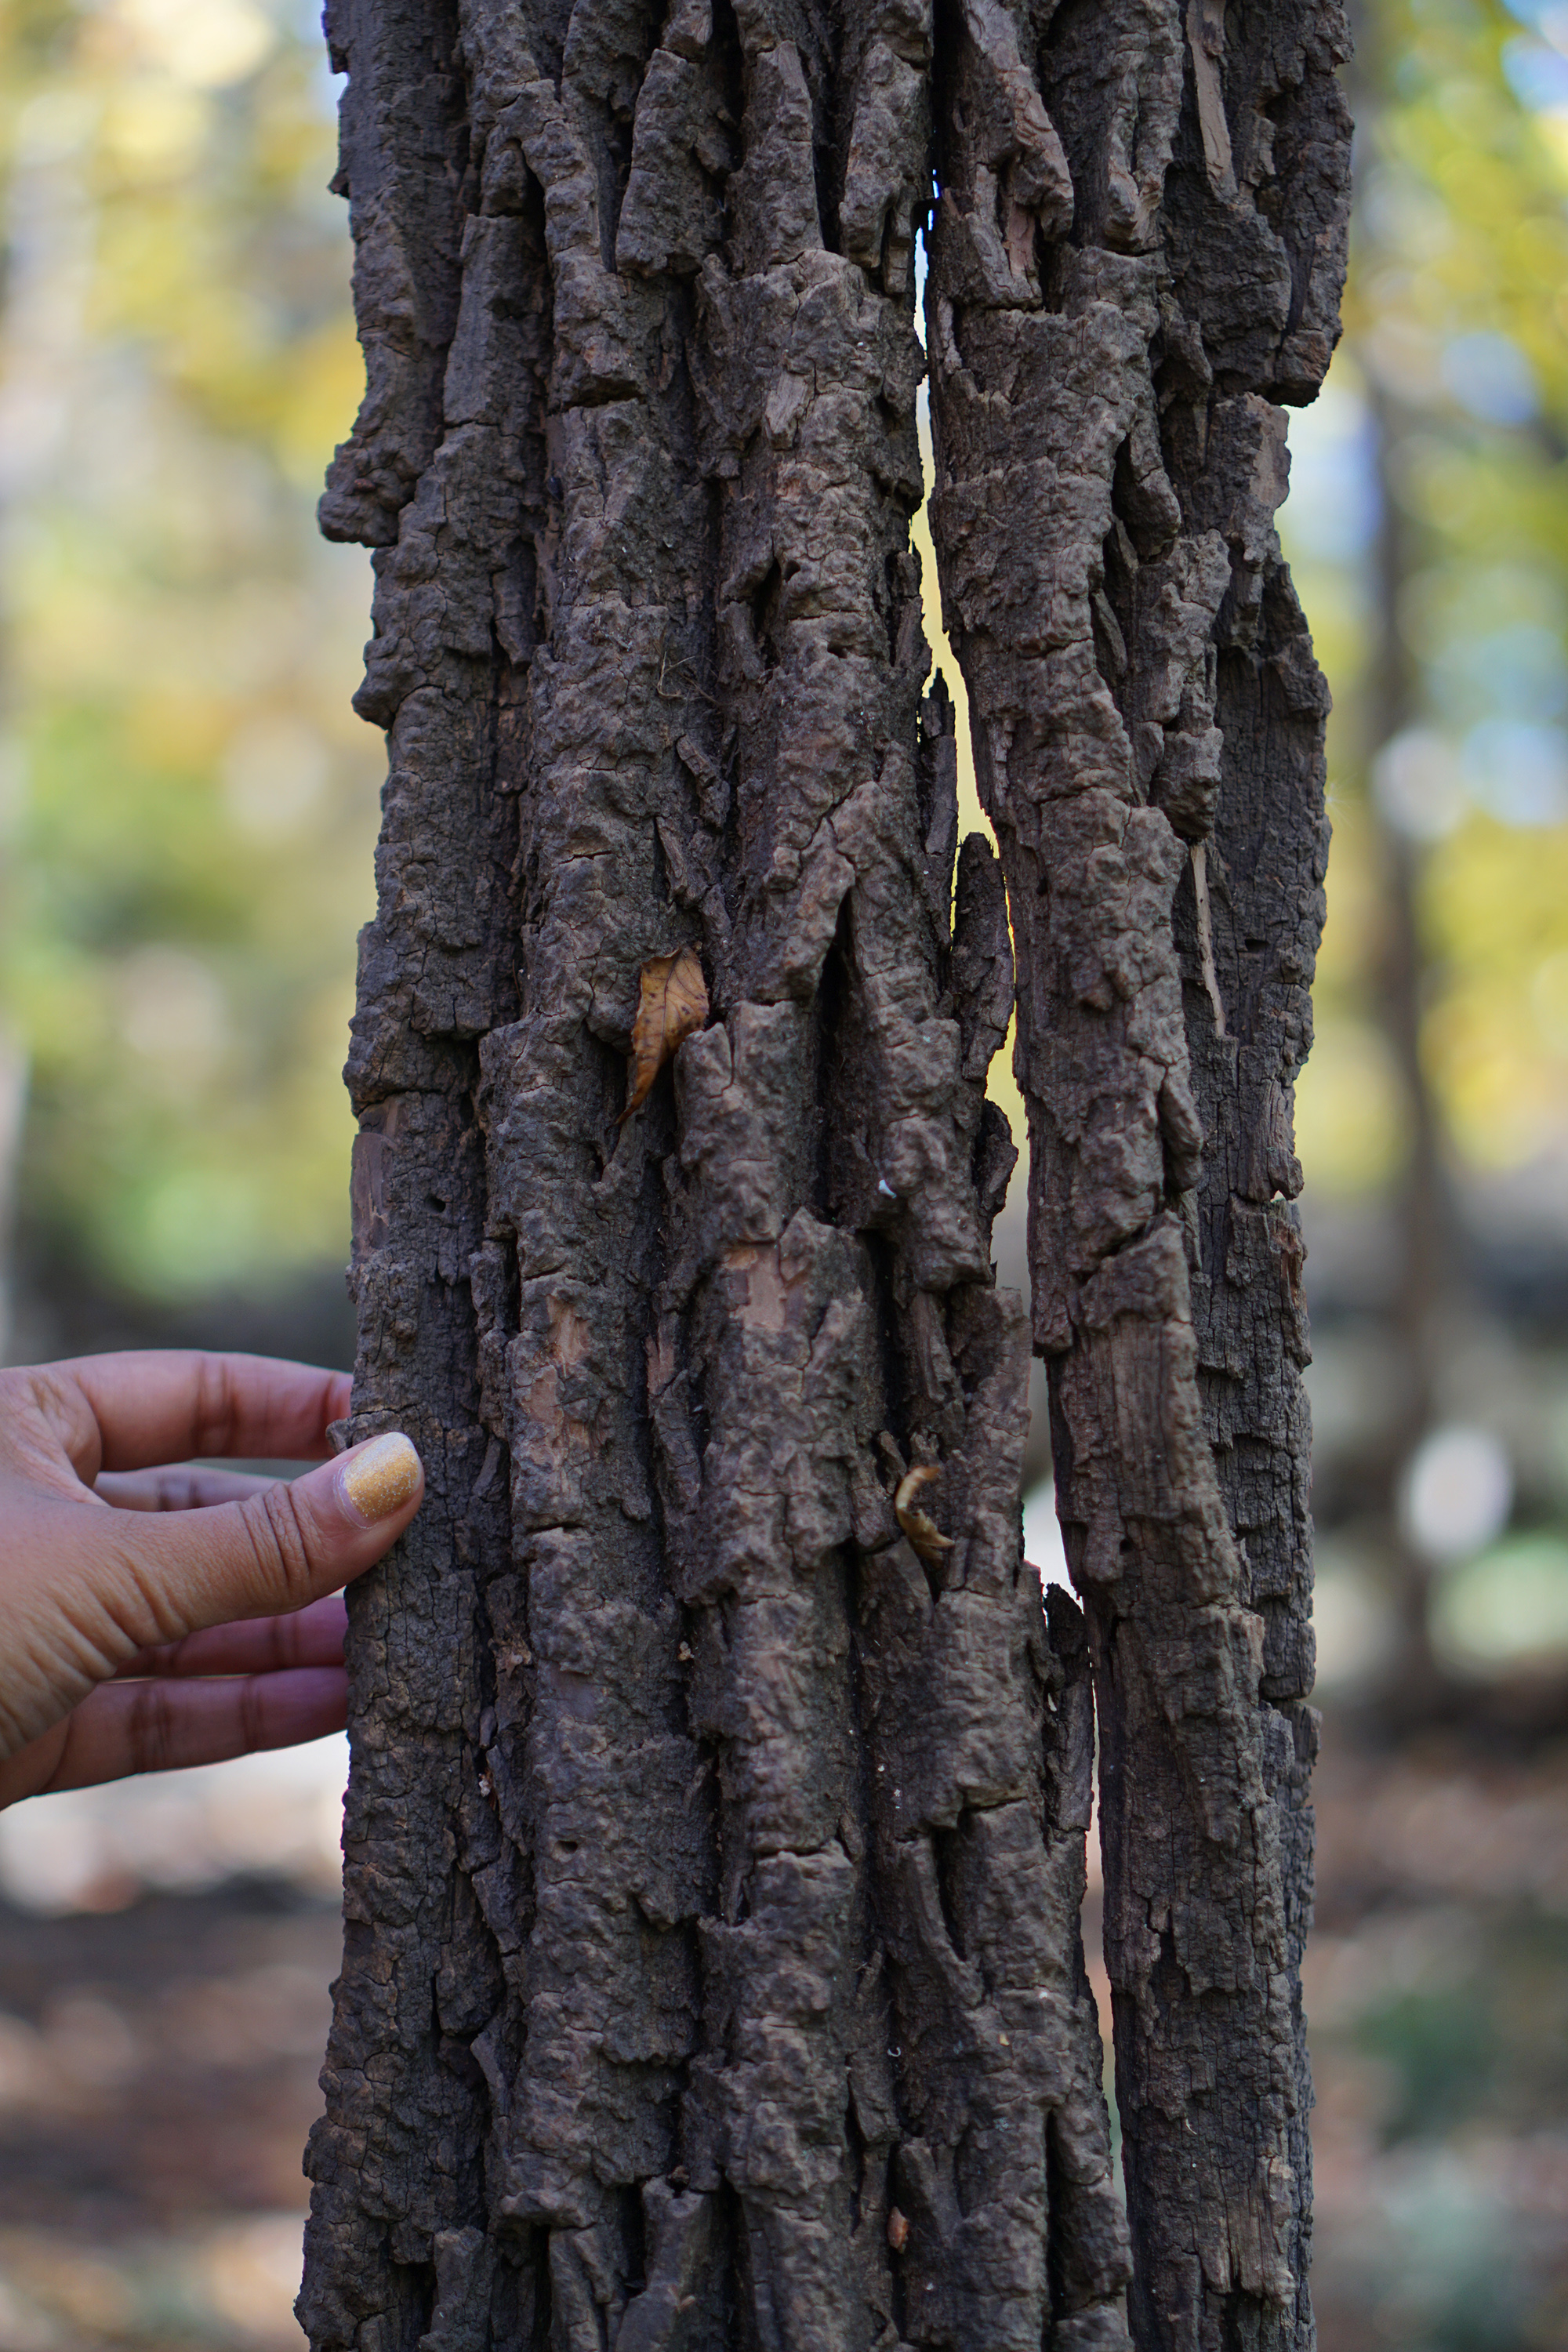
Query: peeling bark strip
x=1137, y=252
x=712, y=1974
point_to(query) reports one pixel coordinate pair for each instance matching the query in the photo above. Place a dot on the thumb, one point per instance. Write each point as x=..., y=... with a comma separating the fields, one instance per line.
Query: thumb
x=278, y=1549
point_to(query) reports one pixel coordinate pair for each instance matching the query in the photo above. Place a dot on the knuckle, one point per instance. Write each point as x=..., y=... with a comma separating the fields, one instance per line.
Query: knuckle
x=252, y=1712
x=273, y=1645
x=144, y=1610
x=289, y=1641
x=151, y=1731
x=283, y=1542
x=45, y=1413
x=217, y=1404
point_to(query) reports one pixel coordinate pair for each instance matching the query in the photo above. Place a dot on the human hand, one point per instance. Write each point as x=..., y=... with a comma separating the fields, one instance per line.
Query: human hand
x=132, y=1642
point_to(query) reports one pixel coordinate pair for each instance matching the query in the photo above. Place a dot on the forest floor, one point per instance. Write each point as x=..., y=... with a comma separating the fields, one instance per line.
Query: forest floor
x=1436, y=1987
x=158, y=2076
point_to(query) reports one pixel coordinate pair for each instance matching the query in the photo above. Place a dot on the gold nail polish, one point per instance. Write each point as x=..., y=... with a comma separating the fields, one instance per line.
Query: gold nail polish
x=380, y=1480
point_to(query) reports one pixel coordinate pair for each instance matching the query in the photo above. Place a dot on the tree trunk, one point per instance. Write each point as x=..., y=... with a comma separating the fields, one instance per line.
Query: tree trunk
x=1123, y=284
x=1426, y=1308
x=715, y=1834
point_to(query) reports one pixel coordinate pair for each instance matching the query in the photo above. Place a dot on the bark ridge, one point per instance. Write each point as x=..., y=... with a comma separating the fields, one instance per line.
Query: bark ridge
x=1136, y=257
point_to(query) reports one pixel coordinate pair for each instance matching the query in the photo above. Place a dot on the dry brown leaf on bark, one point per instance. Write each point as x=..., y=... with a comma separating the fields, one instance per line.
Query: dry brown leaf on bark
x=673, y=1002
x=923, y=1533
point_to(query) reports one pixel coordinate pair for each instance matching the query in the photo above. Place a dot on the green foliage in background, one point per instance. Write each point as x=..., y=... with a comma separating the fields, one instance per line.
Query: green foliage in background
x=1452, y=385
x=189, y=803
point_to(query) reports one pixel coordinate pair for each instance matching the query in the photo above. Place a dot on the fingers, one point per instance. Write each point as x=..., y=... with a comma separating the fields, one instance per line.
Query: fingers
x=162, y=1576
x=184, y=1487
x=313, y=1636
x=158, y=1726
x=156, y=1405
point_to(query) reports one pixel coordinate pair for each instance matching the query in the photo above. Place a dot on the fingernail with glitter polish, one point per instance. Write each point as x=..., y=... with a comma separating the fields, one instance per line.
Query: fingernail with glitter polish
x=379, y=1478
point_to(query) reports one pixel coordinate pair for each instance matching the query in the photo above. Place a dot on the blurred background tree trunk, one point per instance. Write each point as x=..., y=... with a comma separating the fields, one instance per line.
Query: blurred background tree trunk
x=1436, y=1486
x=1426, y=1298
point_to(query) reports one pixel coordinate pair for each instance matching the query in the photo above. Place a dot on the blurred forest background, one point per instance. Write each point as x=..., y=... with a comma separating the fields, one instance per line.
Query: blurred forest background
x=187, y=814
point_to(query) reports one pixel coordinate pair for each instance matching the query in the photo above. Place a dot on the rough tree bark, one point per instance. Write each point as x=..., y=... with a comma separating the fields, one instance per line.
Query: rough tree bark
x=1138, y=251
x=715, y=1835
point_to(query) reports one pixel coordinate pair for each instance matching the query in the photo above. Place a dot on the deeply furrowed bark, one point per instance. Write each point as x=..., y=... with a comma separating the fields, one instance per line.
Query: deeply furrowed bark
x=1136, y=254
x=712, y=1973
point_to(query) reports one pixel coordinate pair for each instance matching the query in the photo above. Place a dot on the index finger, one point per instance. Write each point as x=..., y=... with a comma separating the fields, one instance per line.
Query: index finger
x=312, y=1637
x=153, y=1406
